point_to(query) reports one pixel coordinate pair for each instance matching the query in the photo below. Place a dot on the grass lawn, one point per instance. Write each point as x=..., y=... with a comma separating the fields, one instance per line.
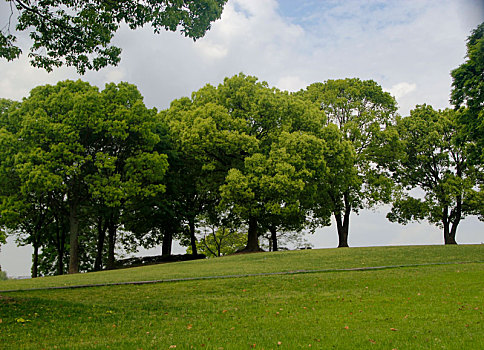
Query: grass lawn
x=315, y=259
x=427, y=307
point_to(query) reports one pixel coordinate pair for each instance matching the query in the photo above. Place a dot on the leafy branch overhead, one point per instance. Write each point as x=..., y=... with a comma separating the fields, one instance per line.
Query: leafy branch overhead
x=79, y=33
x=468, y=91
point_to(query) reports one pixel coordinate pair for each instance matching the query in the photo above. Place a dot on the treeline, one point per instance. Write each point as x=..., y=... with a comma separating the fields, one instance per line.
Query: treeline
x=86, y=172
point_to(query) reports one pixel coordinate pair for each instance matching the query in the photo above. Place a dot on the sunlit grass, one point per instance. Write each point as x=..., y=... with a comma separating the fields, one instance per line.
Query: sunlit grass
x=410, y=308
x=316, y=259
x=427, y=307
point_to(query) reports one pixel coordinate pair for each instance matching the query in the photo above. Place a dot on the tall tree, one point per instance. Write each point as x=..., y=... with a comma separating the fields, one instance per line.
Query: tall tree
x=79, y=33
x=80, y=146
x=432, y=158
x=360, y=109
x=128, y=168
x=8, y=143
x=24, y=213
x=54, y=158
x=277, y=189
x=468, y=91
x=191, y=185
x=230, y=130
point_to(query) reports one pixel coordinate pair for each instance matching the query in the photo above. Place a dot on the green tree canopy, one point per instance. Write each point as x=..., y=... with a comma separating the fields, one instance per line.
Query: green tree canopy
x=468, y=90
x=79, y=33
x=360, y=109
x=431, y=158
x=230, y=132
x=78, y=147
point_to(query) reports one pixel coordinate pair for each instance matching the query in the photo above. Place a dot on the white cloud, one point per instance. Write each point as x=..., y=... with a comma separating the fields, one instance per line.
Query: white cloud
x=405, y=94
x=115, y=75
x=291, y=83
x=401, y=89
x=211, y=51
x=18, y=78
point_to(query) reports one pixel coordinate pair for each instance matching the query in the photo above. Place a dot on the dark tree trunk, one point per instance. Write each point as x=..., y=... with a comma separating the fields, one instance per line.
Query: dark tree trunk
x=252, y=236
x=446, y=224
x=60, y=264
x=74, y=236
x=60, y=245
x=343, y=225
x=112, y=227
x=273, y=239
x=451, y=222
x=193, y=239
x=342, y=221
x=35, y=261
x=101, y=236
x=36, y=239
x=167, y=243
x=451, y=238
x=456, y=220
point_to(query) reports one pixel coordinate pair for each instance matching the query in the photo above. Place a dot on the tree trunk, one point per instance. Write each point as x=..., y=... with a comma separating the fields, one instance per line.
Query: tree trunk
x=60, y=245
x=343, y=222
x=448, y=238
x=457, y=216
x=35, y=261
x=112, y=227
x=273, y=231
x=342, y=225
x=101, y=236
x=36, y=239
x=74, y=236
x=252, y=237
x=446, y=231
x=193, y=239
x=60, y=261
x=166, y=244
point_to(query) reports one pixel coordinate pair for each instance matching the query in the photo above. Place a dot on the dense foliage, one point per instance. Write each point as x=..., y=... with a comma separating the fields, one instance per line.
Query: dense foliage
x=72, y=159
x=360, y=110
x=468, y=91
x=79, y=33
x=431, y=157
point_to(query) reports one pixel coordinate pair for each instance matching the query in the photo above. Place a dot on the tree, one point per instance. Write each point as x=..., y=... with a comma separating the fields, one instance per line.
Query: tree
x=79, y=33
x=360, y=109
x=191, y=188
x=277, y=189
x=431, y=158
x=468, y=91
x=8, y=127
x=78, y=147
x=128, y=168
x=230, y=131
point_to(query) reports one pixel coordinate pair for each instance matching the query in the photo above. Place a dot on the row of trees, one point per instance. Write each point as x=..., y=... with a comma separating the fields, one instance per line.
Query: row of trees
x=85, y=171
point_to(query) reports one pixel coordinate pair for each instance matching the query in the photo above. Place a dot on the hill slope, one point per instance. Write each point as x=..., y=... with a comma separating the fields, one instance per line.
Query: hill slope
x=316, y=259
x=419, y=307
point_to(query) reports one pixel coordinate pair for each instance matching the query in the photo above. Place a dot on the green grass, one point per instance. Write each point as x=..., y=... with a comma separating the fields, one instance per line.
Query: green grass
x=316, y=259
x=427, y=307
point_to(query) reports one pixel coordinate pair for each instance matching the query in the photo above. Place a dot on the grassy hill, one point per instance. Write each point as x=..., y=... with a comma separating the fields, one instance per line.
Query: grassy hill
x=436, y=305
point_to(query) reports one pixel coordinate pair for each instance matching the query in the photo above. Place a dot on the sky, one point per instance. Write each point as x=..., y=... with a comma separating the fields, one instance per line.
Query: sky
x=408, y=47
